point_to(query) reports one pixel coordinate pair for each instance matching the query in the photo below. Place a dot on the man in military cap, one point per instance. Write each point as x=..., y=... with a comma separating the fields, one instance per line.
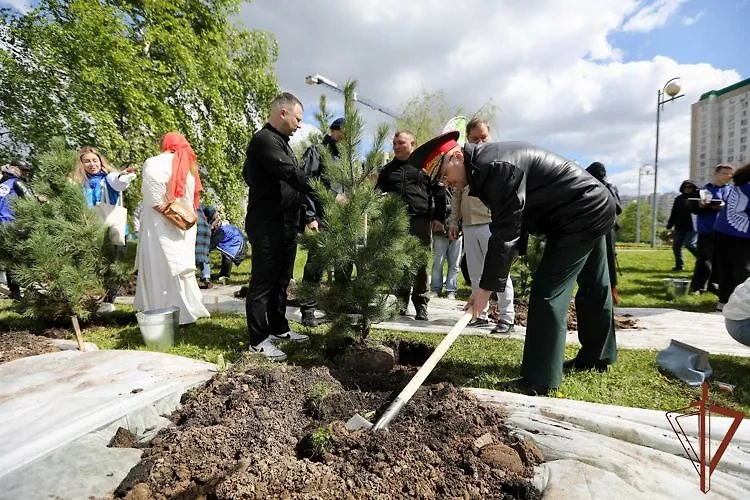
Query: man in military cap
x=528, y=187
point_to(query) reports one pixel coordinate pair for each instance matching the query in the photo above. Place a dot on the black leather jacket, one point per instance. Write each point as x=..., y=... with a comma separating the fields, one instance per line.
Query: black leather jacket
x=276, y=183
x=410, y=184
x=530, y=189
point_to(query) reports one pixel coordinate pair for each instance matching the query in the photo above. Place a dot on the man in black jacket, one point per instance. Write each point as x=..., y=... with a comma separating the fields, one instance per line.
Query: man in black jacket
x=411, y=184
x=314, y=167
x=276, y=190
x=527, y=187
x=681, y=218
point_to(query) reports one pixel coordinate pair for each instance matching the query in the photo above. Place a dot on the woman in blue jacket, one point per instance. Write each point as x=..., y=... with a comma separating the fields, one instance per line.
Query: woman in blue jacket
x=101, y=184
x=732, y=237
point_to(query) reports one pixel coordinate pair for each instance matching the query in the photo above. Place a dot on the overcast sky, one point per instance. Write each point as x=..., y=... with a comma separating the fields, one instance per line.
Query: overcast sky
x=579, y=77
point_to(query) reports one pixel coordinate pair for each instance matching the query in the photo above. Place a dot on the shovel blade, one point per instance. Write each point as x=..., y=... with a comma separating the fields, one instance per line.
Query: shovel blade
x=358, y=422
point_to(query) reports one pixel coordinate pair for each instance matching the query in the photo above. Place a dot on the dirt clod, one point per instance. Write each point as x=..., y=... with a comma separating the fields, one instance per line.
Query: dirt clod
x=123, y=438
x=503, y=457
x=239, y=437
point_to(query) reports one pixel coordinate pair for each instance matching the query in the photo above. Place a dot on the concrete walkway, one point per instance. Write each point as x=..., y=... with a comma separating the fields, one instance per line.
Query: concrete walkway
x=657, y=326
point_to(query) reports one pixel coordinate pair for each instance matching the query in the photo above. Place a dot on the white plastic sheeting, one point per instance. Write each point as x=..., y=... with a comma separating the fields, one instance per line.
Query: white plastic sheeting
x=598, y=451
x=51, y=404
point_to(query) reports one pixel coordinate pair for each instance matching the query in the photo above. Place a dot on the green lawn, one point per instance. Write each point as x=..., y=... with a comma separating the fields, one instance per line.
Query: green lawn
x=473, y=361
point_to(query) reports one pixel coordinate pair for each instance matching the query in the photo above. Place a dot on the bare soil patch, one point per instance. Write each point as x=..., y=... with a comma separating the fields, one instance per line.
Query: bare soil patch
x=15, y=345
x=622, y=322
x=278, y=432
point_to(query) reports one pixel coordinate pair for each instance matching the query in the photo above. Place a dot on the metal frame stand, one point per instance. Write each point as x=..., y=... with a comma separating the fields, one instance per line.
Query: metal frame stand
x=702, y=460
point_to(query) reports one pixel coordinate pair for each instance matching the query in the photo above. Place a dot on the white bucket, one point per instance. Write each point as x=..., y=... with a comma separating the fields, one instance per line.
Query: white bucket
x=158, y=326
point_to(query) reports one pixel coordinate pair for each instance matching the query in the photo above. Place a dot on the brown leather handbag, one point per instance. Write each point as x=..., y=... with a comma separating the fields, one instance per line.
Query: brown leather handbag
x=178, y=213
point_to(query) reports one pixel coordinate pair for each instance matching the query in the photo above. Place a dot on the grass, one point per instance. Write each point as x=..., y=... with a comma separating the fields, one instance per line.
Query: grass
x=634, y=380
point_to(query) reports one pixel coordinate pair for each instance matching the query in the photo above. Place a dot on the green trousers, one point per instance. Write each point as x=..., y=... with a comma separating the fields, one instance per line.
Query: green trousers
x=551, y=291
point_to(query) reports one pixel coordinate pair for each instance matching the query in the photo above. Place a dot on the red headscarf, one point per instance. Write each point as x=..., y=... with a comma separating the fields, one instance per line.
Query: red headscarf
x=184, y=158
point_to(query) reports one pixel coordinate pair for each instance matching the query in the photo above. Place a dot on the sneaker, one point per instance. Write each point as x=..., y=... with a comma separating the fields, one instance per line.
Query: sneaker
x=204, y=284
x=479, y=322
x=720, y=307
x=422, y=313
x=451, y=296
x=106, y=307
x=502, y=328
x=309, y=320
x=290, y=335
x=434, y=295
x=267, y=349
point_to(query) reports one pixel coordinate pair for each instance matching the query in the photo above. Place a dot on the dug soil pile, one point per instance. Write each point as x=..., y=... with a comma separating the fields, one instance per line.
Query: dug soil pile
x=15, y=345
x=278, y=432
x=622, y=322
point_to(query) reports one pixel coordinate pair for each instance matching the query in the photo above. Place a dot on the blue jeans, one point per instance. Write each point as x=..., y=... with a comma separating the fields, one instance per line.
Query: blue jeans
x=687, y=239
x=443, y=249
x=739, y=329
x=205, y=270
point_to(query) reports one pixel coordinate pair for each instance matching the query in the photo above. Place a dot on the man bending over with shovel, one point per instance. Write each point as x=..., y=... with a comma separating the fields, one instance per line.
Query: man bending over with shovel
x=526, y=186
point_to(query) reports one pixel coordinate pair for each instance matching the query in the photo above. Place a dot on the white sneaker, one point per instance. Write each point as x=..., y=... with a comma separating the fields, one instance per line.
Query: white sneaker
x=267, y=349
x=451, y=296
x=290, y=335
x=106, y=307
x=434, y=294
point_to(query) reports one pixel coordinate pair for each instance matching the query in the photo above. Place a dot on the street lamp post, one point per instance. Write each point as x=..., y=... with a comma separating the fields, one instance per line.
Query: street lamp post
x=321, y=80
x=644, y=170
x=671, y=89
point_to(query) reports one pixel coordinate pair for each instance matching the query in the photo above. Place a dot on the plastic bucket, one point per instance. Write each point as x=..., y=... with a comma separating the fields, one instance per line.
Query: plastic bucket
x=158, y=326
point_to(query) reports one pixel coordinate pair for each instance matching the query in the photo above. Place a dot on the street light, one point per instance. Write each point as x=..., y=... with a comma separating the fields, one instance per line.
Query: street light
x=644, y=170
x=321, y=80
x=671, y=89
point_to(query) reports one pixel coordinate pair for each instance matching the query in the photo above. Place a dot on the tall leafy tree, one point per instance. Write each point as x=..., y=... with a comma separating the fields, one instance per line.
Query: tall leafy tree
x=118, y=74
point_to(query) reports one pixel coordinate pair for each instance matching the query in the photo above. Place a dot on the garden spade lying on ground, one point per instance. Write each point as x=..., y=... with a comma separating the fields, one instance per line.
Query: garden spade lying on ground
x=359, y=422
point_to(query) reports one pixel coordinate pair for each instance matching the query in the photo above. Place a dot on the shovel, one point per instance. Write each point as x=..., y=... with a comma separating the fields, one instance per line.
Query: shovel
x=360, y=422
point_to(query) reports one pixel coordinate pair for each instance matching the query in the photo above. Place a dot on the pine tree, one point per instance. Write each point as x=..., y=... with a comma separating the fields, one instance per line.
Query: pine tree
x=367, y=232
x=58, y=248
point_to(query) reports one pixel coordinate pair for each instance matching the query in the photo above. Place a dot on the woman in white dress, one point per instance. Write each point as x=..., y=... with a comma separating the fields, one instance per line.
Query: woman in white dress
x=166, y=254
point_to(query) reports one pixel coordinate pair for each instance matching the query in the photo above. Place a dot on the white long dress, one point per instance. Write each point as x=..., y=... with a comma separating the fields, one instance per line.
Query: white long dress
x=166, y=254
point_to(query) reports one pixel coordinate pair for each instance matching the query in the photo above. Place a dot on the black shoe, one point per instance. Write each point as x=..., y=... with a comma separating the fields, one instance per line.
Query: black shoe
x=422, y=314
x=309, y=320
x=204, y=284
x=676, y=268
x=479, y=322
x=523, y=386
x=572, y=365
x=503, y=328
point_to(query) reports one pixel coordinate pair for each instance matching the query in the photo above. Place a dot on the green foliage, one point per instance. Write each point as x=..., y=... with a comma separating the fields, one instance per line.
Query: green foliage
x=59, y=249
x=368, y=233
x=315, y=398
x=426, y=114
x=627, y=221
x=118, y=74
x=322, y=439
x=524, y=267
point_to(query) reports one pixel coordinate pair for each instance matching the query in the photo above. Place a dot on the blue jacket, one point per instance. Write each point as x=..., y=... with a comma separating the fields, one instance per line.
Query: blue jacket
x=706, y=217
x=94, y=190
x=734, y=219
x=230, y=241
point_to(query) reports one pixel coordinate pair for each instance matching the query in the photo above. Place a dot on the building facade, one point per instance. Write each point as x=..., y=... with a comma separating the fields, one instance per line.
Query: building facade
x=719, y=130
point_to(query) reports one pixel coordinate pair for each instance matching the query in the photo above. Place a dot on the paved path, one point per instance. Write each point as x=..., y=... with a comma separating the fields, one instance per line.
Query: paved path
x=658, y=326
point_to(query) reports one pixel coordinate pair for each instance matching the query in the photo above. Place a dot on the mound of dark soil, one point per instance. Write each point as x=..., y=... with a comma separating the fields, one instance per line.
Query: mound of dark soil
x=14, y=345
x=278, y=432
x=622, y=322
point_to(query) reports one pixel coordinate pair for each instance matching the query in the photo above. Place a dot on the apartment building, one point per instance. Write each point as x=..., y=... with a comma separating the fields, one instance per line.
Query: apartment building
x=719, y=130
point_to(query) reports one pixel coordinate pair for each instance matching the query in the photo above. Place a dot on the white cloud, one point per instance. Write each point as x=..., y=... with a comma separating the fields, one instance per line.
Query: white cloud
x=549, y=67
x=691, y=20
x=652, y=16
x=22, y=6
